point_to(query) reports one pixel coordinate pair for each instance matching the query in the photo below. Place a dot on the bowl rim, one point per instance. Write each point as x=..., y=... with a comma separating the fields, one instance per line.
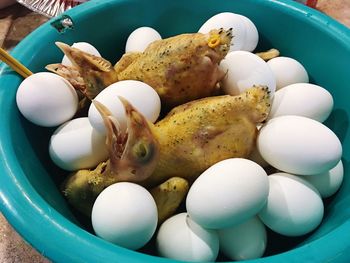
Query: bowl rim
x=35, y=220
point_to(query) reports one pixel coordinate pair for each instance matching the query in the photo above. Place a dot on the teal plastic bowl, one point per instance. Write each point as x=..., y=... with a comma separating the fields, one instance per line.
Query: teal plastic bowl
x=29, y=182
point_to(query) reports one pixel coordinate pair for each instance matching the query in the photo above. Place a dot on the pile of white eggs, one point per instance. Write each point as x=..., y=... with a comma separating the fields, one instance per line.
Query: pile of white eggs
x=230, y=204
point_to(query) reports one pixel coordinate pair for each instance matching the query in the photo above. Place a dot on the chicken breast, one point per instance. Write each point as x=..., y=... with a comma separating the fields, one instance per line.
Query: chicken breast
x=198, y=134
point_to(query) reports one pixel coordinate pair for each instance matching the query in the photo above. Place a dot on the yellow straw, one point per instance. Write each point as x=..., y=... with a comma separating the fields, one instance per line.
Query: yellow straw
x=14, y=64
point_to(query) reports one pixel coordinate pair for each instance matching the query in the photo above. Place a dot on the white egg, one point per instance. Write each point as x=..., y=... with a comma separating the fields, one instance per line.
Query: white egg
x=84, y=46
x=245, y=69
x=228, y=193
x=329, y=182
x=302, y=99
x=299, y=145
x=125, y=214
x=287, y=71
x=227, y=20
x=142, y=96
x=252, y=35
x=76, y=145
x=294, y=207
x=140, y=38
x=247, y=240
x=46, y=99
x=181, y=238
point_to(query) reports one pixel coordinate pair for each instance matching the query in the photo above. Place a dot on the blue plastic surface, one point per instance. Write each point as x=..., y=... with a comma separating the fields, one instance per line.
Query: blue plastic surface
x=29, y=183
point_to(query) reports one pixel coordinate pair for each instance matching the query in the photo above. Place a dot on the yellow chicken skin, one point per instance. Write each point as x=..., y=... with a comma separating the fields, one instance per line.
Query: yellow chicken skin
x=190, y=139
x=180, y=68
x=168, y=197
x=198, y=134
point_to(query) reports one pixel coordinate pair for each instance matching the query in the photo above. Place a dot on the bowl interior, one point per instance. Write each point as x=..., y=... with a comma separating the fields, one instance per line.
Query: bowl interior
x=32, y=181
